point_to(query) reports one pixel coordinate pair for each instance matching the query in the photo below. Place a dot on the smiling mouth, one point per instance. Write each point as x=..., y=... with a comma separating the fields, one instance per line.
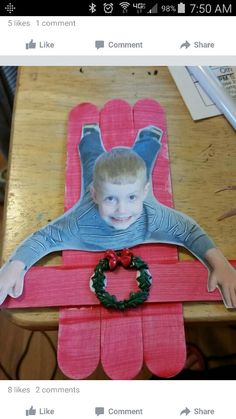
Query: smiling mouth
x=121, y=220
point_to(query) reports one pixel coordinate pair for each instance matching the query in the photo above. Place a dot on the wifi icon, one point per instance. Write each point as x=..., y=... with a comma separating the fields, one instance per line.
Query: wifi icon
x=124, y=6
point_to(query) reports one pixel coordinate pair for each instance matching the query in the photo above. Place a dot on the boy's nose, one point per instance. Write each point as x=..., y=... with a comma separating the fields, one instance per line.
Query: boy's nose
x=121, y=207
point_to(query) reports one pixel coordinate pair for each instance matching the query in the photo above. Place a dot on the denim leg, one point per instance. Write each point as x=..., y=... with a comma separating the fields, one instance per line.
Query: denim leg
x=147, y=145
x=90, y=148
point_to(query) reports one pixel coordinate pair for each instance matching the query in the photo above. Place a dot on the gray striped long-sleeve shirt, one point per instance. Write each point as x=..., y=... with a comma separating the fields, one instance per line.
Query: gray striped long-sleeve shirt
x=82, y=228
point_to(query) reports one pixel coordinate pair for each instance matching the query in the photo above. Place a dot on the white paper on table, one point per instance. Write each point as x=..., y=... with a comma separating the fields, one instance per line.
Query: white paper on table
x=197, y=101
x=227, y=78
x=221, y=88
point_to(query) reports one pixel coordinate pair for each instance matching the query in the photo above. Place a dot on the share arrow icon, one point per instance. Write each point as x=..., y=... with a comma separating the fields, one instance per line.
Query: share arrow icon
x=186, y=411
x=186, y=44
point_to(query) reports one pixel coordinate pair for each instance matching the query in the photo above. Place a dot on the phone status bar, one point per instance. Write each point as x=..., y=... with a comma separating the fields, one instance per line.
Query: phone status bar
x=116, y=8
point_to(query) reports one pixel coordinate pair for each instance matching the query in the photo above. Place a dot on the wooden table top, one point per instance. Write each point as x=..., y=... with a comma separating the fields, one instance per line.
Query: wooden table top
x=202, y=158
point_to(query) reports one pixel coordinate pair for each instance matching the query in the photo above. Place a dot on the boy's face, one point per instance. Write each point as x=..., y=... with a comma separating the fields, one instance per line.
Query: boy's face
x=120, y=205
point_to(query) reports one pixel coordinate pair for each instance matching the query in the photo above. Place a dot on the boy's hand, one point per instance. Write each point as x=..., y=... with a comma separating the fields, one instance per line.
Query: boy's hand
x=11, y=280
x=225, y=280
x=222, y=276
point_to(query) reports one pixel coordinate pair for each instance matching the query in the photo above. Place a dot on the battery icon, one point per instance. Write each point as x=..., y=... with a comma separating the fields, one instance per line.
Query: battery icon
x=181, y=8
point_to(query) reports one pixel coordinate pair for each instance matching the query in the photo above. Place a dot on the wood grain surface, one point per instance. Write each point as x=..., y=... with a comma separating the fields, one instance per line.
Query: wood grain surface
x=202, y=157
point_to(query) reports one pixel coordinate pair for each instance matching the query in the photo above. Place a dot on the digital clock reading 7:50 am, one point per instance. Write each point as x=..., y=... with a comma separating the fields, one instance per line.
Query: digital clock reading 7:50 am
x=210, y=8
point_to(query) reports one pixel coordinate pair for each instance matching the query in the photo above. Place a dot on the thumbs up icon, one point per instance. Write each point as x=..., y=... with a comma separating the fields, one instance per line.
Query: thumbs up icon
x=30, y=44
x=30, y=411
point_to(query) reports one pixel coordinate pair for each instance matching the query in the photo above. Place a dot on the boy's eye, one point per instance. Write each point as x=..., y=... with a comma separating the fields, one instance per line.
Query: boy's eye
x=109, y=198
x=132, y=197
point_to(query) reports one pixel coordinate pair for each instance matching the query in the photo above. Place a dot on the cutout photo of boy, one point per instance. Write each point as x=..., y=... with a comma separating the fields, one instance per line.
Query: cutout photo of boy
x=118, y=209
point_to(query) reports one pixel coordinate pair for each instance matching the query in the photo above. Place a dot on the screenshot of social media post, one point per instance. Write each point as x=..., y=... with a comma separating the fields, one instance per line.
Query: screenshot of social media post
x=117, y=217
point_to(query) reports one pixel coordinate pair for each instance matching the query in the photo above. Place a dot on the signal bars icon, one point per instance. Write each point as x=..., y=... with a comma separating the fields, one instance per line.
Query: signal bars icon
x=124, y=6
x=153, y=10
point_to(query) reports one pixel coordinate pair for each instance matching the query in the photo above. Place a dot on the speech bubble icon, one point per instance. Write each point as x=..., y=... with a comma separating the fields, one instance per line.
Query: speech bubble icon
x=99, y=411
x=99, y=44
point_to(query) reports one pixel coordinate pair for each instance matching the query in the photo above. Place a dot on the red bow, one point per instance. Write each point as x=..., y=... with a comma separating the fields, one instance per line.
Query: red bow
x=124, y=258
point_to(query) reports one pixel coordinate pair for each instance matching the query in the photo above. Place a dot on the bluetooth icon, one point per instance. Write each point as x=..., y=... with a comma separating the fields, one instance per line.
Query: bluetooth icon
x=92, y=8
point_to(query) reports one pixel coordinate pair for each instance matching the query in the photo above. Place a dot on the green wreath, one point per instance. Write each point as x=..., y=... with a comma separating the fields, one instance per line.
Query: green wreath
x=128, y=261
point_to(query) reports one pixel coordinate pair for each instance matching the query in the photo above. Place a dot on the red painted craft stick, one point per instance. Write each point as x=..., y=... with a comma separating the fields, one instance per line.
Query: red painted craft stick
x=166, y=359
x=79, y=341
x=68, y=285
x=121, y=343
x=158, y=330
x=121, y=333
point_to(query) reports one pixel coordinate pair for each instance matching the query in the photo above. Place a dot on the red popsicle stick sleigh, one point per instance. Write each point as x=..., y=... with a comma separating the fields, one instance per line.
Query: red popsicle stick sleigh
x=89, y=333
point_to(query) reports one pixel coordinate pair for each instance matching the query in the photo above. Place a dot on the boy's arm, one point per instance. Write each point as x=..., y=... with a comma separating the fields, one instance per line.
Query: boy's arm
x=175, y=227
x=168, y=225
x=59, y=235
x=32, y=249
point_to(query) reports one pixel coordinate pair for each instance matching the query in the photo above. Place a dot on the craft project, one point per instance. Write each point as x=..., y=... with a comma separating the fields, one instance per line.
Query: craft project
x=151, y=333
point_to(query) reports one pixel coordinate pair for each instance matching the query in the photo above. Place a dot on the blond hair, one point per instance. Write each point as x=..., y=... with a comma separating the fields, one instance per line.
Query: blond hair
x=120, y=165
